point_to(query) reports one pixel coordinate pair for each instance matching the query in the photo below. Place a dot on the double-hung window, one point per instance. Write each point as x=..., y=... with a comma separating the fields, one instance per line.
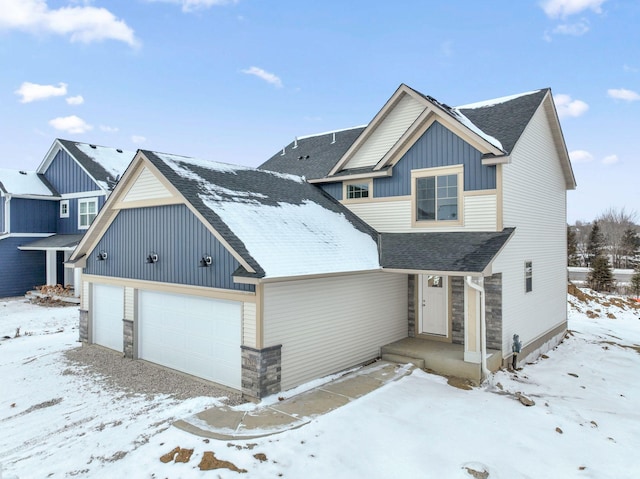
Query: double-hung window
x=528, y=276
x=437, y=195
x=87, y=211
x=357, y=190
x=64, y=209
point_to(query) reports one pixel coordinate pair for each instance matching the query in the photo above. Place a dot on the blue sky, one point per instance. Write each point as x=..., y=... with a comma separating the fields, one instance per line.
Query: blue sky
x=235, y=81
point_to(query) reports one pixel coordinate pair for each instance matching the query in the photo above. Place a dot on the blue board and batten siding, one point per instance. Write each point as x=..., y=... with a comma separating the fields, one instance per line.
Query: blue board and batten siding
x=33, y=216
x=178, y=238
x=437, y=147
x=67, y=176
x=3, y=227
x=22, y=270
x=69, y=226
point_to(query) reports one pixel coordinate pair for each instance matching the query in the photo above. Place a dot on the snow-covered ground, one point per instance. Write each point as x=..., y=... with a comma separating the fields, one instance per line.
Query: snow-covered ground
x=56, y=421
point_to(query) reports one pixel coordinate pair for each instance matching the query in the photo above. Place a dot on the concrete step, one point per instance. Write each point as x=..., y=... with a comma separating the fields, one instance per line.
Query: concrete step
x=397, y=358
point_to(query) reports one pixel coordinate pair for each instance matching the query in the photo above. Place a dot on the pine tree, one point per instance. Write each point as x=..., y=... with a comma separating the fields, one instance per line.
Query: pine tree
x=635, y=282
x=630, y=246
x=595, y=244
x=600, y=276
x=572, y=247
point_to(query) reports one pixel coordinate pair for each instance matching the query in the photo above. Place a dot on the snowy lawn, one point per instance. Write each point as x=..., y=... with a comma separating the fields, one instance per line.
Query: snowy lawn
x=56, y=421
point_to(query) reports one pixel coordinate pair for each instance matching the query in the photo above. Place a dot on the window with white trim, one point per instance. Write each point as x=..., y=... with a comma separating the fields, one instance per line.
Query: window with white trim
x=437, y=195
x=528, y=276
x=357, y=190
x=87, y=211
x=64, y=209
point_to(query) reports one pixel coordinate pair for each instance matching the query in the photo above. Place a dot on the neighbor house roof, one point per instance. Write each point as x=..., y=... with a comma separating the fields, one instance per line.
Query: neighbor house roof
x=313, y=156
x=18, y=182
x=456, y=252
x=279, y=224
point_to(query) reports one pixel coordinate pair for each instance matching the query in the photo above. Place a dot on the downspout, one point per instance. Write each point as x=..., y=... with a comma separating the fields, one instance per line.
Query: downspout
x=484, y=371
x=7, y=213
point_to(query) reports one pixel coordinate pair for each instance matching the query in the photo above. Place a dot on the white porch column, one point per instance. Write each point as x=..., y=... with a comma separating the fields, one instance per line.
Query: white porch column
x=77, y=282
x=52, y=270
x=471, y=324
x=480, y=328
x=68, y=273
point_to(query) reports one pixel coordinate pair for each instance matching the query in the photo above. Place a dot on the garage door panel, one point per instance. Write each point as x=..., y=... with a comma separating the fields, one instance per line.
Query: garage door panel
x=198, y=336
x=107, y=313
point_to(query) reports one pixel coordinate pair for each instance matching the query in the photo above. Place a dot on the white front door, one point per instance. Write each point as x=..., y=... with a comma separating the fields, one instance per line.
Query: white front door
x=433, y=305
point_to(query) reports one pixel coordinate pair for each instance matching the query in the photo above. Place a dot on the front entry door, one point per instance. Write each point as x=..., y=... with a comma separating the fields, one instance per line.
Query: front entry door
x=433, y=300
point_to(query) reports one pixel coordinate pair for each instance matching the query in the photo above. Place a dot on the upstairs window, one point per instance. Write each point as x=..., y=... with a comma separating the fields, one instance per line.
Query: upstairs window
x=64, y=209
x=358, y=190
x=87, y=211
x=438, y=197
x=528, y=276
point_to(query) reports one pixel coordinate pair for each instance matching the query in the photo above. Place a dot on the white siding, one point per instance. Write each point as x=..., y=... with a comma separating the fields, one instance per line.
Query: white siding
x=146, y=187
x=535, y=203
x=129, y=303
x=84, y=296
x=388, y=132
x=395, y=216
x=329, y=324
x=249, y=324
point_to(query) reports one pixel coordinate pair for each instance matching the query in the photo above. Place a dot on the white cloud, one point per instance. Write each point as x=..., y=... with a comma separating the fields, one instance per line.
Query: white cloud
x=109, y=129
x=568, y=107
x=70, y=124
x=84, y=24
x=75, y=100
x=265, y=75
x=575, y=29
x=610, y=160
x=623, y=94
x=192, y=5
x=137, y=139
x=565, y=8
x=580, y=156
x=33, y=91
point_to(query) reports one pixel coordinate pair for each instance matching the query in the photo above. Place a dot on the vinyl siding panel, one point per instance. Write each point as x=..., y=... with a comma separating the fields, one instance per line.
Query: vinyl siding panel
x=395, y=216
x=3, y=226
x=333, y=189
x=535, y=203
x=84, y=297
x=176, y=236
x=129, y=303
x=437, y=147
x=249, y=324
x=22, y=270
x=388, y=132
x=329, y=324
x=147, y=187
x=67, y=176
x=33, y=216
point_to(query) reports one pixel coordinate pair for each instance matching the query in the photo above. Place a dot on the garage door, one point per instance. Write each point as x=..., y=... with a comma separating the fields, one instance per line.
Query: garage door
x=108, y=311
x=195, y=335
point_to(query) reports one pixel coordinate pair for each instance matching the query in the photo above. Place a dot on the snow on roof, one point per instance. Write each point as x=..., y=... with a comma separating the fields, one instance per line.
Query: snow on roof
x=495, y=101
x=114, y=160
x=23, y=183
x=469, y=124
x=285, y=238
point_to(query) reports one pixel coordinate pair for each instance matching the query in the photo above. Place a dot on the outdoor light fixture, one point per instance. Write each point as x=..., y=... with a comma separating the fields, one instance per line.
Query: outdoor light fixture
x=102, y=255
x=152, y=258
x=206, y=261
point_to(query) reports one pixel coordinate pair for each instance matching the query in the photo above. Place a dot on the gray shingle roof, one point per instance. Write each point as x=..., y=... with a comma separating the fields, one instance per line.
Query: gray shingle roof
x=97, y=170
x=468, y=252
x=54, y=242
x=314, y=156
x=243, y=189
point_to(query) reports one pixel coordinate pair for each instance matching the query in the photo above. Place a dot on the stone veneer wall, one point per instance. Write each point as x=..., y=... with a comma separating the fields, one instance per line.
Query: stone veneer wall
x=84, y=326
x=261, y=371
x=493, y=312
x=413, y=297
x=128, y=336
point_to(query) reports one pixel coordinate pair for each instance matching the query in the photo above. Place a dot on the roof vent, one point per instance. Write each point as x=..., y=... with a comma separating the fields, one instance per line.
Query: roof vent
x=283, y=152
x=93, y=146
x=295, y=142
x=23, y=172
x=303, y=157
x=334, y=138
x=118, y=150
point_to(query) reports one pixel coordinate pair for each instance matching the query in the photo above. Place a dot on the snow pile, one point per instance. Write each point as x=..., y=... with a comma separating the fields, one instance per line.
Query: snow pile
x=114, y=160
x=58, y=423
x=23, y=183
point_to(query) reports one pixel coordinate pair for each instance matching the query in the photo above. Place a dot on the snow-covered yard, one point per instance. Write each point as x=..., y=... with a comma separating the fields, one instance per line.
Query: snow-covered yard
x=57, y=420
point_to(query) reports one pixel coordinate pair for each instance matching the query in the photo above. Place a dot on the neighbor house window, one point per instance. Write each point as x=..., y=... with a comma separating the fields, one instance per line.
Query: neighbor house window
x=528, y=276
x=358, y=190
x=87, y=211
x=437, y=197
x=64, y=209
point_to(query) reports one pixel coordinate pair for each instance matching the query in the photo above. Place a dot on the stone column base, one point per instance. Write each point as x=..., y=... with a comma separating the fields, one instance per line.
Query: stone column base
x=261, y=371
x=84, y=326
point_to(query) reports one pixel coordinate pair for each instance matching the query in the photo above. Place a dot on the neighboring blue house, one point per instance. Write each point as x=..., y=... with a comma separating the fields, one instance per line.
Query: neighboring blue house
x=44, y=213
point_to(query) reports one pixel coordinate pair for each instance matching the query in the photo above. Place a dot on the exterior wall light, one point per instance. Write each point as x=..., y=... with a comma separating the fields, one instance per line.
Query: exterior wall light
x=206, y=261
x=152, y=258
x=101, y=256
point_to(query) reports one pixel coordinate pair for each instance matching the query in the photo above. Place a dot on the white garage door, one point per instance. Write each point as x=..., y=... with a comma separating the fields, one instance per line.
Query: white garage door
x=108, y=311
x=195, y=335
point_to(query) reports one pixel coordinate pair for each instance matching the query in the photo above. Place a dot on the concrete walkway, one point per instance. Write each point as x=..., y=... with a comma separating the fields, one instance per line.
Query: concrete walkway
x=253, y=421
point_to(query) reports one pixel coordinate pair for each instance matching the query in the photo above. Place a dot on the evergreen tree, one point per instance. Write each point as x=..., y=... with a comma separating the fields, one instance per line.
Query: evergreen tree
x=595, y=244
x=635, y=282
x=600, y=276
x=630, y=246
x=572, y=247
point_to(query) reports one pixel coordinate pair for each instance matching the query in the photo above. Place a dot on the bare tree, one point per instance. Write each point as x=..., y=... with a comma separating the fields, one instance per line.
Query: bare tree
x=613, y=224
x=582, y=231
